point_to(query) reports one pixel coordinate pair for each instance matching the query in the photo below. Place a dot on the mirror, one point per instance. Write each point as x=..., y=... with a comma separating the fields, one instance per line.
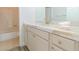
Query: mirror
x=57, y=15
x=39, y=14
x=65, y=15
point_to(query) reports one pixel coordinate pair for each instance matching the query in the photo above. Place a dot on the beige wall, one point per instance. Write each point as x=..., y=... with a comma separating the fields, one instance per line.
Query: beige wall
x=9, y=19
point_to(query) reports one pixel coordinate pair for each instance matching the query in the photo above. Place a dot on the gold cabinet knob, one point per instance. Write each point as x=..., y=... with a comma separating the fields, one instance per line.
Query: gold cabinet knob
x=15, y=25
x=52, y=47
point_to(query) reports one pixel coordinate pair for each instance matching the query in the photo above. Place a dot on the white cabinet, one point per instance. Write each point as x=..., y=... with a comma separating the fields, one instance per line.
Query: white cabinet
x=25, y=35
x=39, y=32
x=41, y=44
x=55, y=48
x=31, y=41
x=40, y=40
x=36, y=43
x=64, y=43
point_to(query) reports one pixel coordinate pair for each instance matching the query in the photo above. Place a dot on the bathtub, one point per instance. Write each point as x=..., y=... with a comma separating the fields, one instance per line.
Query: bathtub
x=8, y=36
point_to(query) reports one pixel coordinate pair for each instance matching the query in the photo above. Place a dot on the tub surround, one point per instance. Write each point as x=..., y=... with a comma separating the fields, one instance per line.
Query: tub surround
x=9, y=44
x=9, y=27
x=7, y=36
x=57, y=38
x=9, y=20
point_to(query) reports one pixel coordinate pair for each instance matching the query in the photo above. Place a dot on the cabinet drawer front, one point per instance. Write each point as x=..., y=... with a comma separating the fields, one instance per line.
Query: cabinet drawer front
x=41, y=44
x=41, y=33
x=54, y=48
x=64, y=34
x=63, y=42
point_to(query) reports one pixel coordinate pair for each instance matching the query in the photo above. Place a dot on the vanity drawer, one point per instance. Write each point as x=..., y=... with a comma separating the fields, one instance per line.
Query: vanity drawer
x=64, y=34
x=54, y=48
x=39, y=32
x=64, y=43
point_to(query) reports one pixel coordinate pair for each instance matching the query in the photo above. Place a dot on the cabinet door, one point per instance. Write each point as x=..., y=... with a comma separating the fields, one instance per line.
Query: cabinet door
x=41, y=44
x=35, y=43
x=62, y=42
x=31, y=41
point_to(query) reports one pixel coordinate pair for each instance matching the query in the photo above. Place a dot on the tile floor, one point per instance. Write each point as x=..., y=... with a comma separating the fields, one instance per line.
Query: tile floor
x=24, y=48
x=12, y=45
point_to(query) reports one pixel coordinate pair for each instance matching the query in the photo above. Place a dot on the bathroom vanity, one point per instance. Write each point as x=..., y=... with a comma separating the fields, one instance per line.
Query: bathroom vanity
x=50, y=38
x=52, y=29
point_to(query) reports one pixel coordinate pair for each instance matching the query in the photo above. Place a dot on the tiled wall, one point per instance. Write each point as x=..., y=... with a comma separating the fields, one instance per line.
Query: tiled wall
x=9, y=19
x=9, y=27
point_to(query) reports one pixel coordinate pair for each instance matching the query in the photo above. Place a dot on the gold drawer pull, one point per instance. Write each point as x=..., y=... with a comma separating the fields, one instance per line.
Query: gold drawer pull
x=59, y=42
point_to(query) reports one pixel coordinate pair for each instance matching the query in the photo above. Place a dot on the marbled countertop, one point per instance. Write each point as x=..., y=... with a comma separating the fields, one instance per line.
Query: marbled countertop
x=72, y=31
